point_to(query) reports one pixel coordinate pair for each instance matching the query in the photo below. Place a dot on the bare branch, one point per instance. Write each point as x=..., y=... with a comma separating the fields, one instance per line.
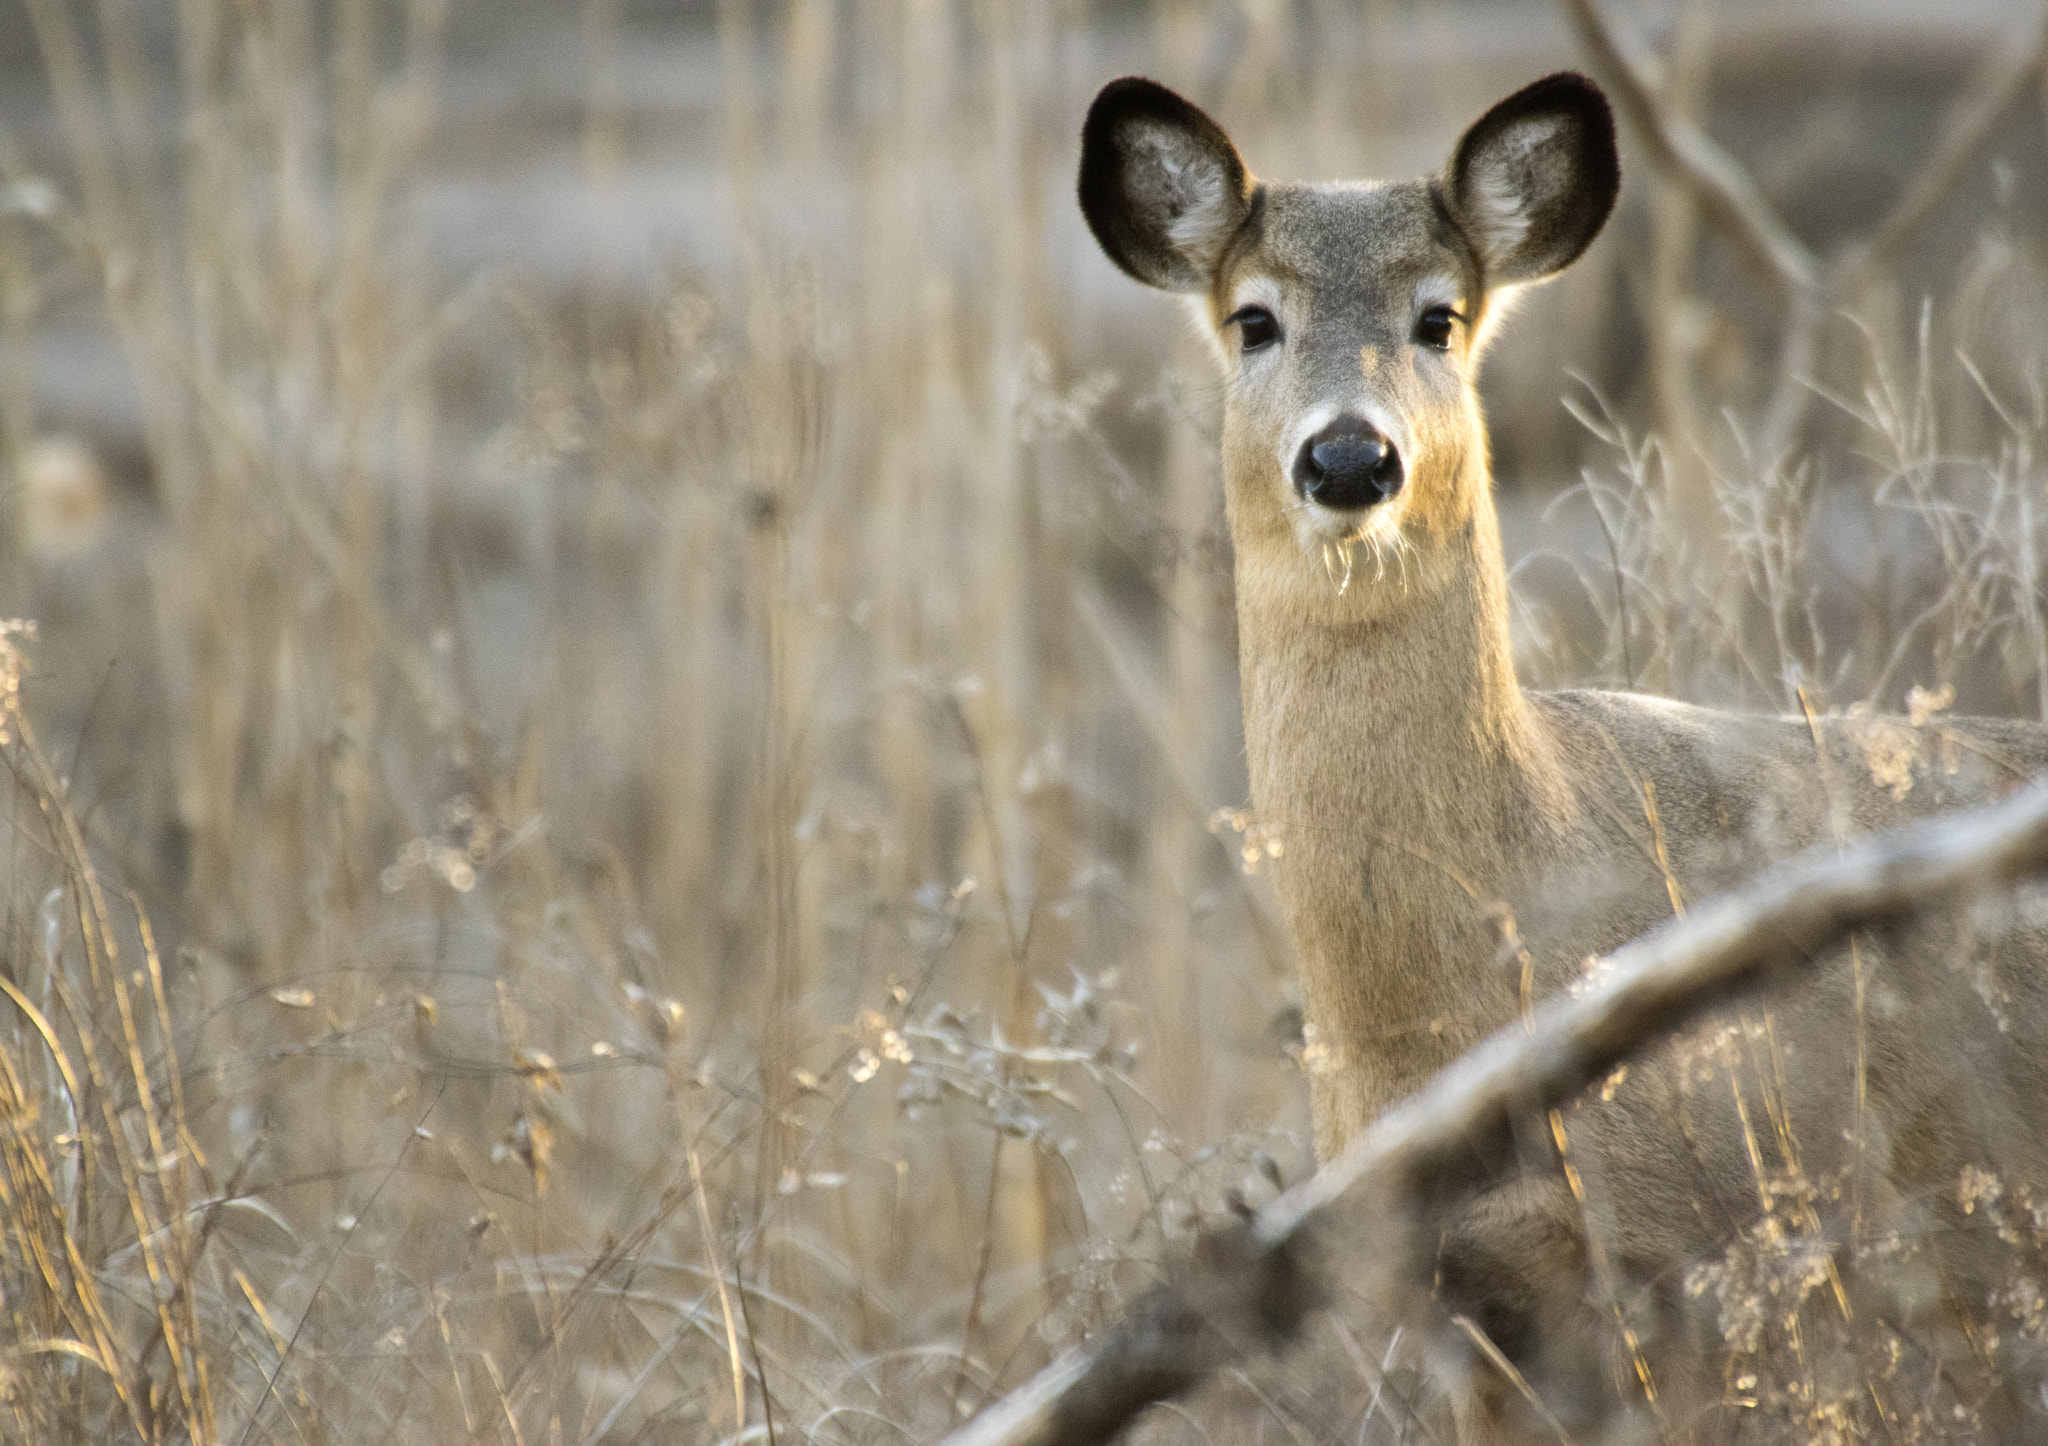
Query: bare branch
x=1730, y=197
x=1246, y=1289
x=1994, y=86
x=1687, y=154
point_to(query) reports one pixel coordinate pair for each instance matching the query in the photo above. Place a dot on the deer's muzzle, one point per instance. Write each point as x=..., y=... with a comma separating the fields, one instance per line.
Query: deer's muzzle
x=1347, y=465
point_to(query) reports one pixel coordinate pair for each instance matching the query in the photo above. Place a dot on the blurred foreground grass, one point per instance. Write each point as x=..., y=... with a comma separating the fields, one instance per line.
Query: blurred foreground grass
x=609, y=852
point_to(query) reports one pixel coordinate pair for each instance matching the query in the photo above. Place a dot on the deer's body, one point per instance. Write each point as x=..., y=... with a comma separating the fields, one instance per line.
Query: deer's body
x=1454, y=844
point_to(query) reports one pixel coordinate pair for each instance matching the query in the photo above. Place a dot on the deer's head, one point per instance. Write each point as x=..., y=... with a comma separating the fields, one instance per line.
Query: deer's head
x=1349, y=317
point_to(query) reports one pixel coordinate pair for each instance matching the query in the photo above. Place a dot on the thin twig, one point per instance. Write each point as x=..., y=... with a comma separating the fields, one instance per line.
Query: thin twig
x=975, y=1297
x=732, y=1338
x=320, y=1283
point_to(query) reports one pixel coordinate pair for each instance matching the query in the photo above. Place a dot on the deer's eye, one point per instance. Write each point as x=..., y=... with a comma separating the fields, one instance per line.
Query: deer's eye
x=1255, y=325
x=1433, y=327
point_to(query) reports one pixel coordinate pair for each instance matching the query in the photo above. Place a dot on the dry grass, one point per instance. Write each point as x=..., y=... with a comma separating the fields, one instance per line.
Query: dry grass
x=680, y=822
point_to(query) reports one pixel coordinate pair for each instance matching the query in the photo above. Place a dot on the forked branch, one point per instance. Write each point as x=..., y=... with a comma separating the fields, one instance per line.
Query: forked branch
x=1730, y=197
x=1248, y=1288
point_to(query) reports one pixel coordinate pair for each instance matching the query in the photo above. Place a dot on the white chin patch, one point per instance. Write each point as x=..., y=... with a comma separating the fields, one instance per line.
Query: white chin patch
x=1316, y=523
x=1357, y=549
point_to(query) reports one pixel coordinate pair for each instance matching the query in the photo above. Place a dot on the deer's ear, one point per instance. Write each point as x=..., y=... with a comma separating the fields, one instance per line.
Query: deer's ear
x=1532, y=182
x=1161, y=185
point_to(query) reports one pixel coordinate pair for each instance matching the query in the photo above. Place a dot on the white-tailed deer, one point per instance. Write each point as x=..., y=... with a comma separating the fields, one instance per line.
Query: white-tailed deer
x=1456, y=845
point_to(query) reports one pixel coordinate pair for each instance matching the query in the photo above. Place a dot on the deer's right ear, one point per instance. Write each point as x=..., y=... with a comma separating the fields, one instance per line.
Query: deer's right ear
x=1161, y=185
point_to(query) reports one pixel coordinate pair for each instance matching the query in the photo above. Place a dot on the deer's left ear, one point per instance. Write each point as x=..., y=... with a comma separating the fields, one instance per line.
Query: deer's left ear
x=1534, y=179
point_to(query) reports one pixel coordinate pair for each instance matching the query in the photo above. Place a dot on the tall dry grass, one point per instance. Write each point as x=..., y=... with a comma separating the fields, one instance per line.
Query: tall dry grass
x=629, y=858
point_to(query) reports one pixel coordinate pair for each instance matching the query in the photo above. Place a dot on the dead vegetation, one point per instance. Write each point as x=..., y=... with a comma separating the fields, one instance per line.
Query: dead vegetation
x=612, y=861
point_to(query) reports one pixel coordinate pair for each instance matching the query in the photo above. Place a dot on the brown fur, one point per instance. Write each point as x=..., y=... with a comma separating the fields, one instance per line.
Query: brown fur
x=1434, y=813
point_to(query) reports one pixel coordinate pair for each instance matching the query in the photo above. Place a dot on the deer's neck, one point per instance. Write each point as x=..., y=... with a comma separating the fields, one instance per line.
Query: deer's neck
x=1395, y=710
x=1412, y=785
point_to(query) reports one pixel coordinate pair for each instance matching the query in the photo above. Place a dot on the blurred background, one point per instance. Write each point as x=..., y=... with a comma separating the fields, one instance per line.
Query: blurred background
x=626, y=817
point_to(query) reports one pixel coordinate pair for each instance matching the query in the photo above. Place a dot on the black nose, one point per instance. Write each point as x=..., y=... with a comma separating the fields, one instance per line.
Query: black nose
x=1347, y=464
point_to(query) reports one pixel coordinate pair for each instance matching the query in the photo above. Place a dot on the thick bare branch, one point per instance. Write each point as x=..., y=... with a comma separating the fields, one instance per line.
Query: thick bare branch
x=1687, y=154
x=1246, y=1288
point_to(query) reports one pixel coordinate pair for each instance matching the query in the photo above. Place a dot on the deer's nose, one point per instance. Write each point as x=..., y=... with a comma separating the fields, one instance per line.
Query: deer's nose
x=1347, y=464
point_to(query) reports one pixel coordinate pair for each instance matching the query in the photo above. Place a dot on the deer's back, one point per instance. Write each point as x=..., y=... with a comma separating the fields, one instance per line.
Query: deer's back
x=1944, y=1019
x=1731, y=791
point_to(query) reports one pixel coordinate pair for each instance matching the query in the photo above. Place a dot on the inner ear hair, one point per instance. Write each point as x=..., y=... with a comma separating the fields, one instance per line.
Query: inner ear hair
x=1535, y=178
x=1161, y=186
